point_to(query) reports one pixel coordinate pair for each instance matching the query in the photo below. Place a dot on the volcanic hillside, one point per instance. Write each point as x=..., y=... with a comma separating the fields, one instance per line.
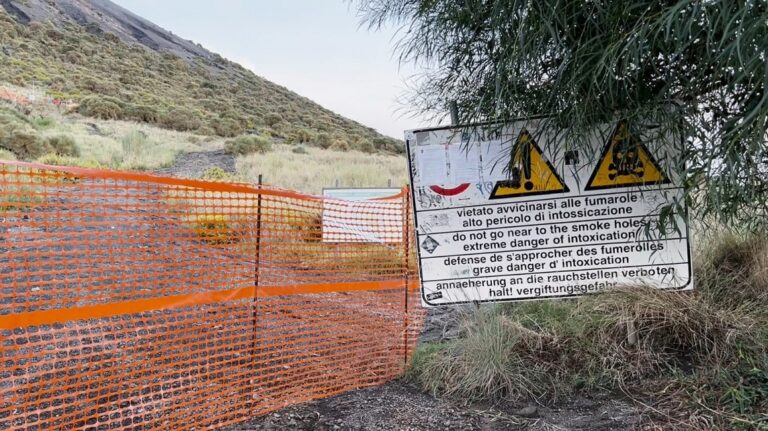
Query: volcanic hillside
x=116, y=65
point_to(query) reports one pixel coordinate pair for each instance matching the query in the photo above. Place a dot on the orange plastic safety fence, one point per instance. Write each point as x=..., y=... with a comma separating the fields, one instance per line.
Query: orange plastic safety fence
x=129, y=301
x=10, y=96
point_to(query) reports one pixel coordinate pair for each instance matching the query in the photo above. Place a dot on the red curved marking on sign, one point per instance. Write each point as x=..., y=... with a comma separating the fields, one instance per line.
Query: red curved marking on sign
x=450, y=192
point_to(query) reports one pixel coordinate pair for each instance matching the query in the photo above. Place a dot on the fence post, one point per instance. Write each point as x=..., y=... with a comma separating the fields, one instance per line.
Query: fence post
x=258, y=236
x=257, y=267
x=407, y=254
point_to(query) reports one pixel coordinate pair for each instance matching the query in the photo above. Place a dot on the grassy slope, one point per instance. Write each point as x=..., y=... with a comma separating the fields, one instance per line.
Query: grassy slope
x=210, y=97
x=316, y=169
x=130, y=145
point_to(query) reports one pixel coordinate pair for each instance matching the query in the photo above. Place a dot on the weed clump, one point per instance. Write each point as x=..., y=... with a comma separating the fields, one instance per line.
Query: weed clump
x=496, y=358
x=216, y=173
x=63, y=160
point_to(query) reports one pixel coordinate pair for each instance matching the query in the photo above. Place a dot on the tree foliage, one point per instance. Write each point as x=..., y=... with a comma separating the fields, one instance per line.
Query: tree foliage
x=697, y=69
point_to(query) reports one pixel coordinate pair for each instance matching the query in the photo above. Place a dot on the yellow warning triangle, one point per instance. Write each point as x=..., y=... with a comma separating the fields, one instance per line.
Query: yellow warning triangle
x=530, y=172
x=625, y=162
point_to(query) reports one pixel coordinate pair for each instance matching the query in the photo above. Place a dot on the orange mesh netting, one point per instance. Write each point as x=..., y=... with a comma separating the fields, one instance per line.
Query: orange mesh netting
x=10, y=96
x=129, y=301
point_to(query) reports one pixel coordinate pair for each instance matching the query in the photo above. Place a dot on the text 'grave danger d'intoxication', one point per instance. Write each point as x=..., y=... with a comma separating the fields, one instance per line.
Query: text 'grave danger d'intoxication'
x=501, y=217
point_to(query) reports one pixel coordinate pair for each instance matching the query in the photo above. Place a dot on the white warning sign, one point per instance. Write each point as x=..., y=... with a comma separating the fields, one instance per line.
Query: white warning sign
x=501, y=217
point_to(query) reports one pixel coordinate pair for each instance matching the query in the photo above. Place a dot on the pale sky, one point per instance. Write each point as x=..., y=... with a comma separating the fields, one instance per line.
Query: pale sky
x=312, y=47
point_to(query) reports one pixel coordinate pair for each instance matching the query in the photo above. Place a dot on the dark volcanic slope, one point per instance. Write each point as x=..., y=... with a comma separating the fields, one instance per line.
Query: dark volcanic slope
x=108, y=17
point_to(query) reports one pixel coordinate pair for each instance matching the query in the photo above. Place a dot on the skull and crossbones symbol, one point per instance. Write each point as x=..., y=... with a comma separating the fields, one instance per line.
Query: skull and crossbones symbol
x=626, y=155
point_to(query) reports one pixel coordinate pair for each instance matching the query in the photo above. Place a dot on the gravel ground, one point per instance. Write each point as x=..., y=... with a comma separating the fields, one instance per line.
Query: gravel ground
x=398, y=406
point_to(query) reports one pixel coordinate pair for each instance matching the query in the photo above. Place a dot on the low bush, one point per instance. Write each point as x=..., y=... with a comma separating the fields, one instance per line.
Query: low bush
x=25, y=143
x=496, y=358
x=366, y=147
x=248, y=145
x=227, y=127
x=273, y=118
x=142, y=113
x=63, y=146
x=299, y=150
x=323, y=140
x=42, y=123
x=105, y=108
x=340, y=145
x=182, y=119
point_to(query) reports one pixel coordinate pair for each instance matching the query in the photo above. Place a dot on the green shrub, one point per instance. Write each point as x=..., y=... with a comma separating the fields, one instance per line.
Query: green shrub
x=323, y=140
x=299, y=150
x=182, y=119
x=63, y=145
x=273, y=118
x=366, y=146
x=42, y=123
x=248, y=145
x=340, y=145
x=105, y=108
x=142, y=113
x=24, y=143
x=227, y=127
x=206, y=131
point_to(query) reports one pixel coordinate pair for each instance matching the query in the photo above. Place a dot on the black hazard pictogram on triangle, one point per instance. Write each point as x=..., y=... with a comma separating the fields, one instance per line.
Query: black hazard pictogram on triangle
x=430, y=245
x=530, y=172
x=625, y=162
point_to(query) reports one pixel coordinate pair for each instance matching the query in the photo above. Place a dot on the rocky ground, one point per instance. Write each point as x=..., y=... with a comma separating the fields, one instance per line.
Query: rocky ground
x=398, y=406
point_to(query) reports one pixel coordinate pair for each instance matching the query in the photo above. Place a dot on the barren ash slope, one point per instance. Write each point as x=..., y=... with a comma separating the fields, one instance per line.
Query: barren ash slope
x=109, y=17
x=85, y=48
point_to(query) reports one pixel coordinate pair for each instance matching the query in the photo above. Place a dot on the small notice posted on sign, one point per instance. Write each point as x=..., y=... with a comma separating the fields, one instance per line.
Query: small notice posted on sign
x=502, y=217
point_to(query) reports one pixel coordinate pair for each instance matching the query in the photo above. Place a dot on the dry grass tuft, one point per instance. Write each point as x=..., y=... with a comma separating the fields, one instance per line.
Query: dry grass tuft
x=496, y=358
x=316, y=169
x=699, y=359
